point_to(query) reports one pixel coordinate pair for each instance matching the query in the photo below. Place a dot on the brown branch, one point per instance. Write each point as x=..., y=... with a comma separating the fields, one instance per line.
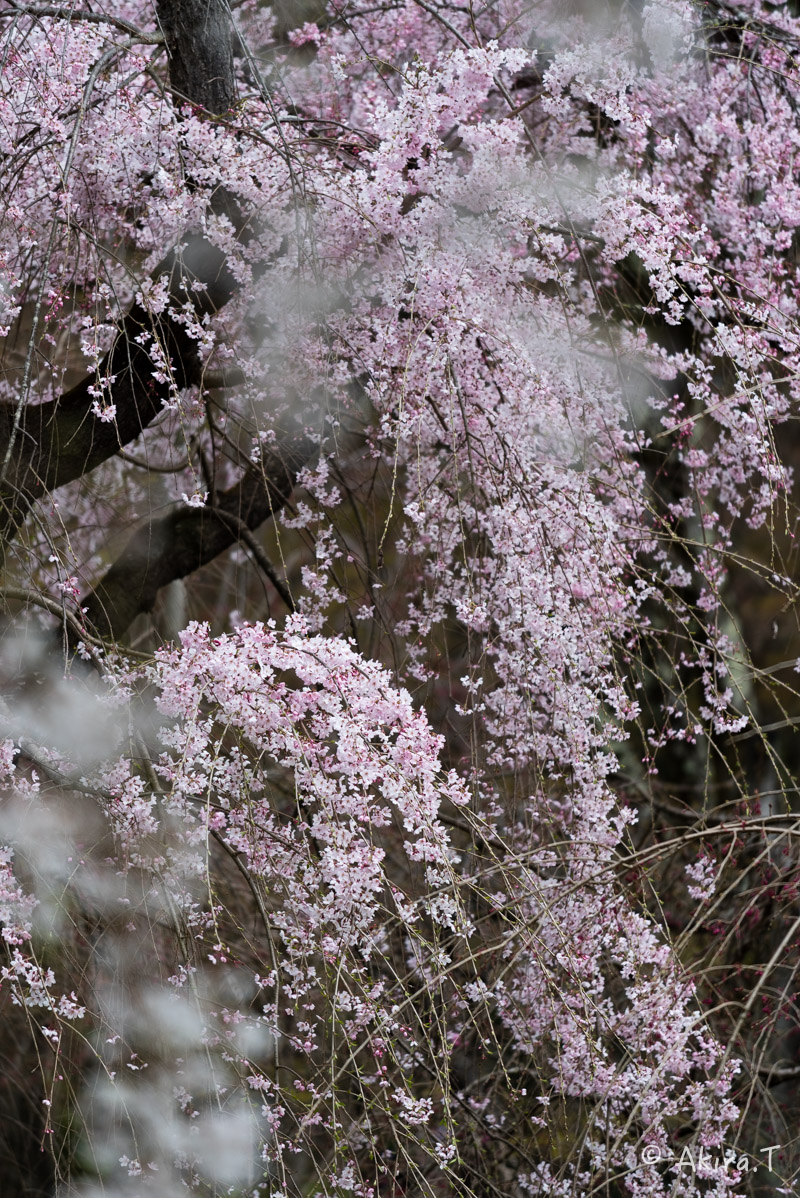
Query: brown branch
x=186, y=538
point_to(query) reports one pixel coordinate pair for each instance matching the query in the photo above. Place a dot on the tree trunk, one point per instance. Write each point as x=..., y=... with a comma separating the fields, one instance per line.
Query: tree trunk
x=198, y=34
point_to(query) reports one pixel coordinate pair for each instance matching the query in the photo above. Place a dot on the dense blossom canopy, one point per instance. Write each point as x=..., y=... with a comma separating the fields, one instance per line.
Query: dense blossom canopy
x=458, y=348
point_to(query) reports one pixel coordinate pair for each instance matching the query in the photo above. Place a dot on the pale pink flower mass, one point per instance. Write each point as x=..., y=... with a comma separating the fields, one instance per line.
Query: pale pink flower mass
x=373, y=834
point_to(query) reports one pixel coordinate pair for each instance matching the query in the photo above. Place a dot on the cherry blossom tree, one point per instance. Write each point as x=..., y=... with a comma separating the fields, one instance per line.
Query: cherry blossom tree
x=397, y=774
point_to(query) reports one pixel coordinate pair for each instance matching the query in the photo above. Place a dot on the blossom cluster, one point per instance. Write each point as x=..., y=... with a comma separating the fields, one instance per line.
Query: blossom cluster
x=522, y=264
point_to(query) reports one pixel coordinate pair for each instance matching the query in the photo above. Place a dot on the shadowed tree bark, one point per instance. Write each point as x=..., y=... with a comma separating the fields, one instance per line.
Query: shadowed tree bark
x=177, y=544
x=58, y=442
x=199, y=45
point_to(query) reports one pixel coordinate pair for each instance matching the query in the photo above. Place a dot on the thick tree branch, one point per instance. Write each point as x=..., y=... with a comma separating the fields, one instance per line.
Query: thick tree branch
x=91, y=18
x=186, y=538
x=63, y=440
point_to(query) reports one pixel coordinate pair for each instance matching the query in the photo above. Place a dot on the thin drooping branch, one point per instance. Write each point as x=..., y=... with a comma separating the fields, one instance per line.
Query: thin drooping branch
x=186, y=538
x=242, y=530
